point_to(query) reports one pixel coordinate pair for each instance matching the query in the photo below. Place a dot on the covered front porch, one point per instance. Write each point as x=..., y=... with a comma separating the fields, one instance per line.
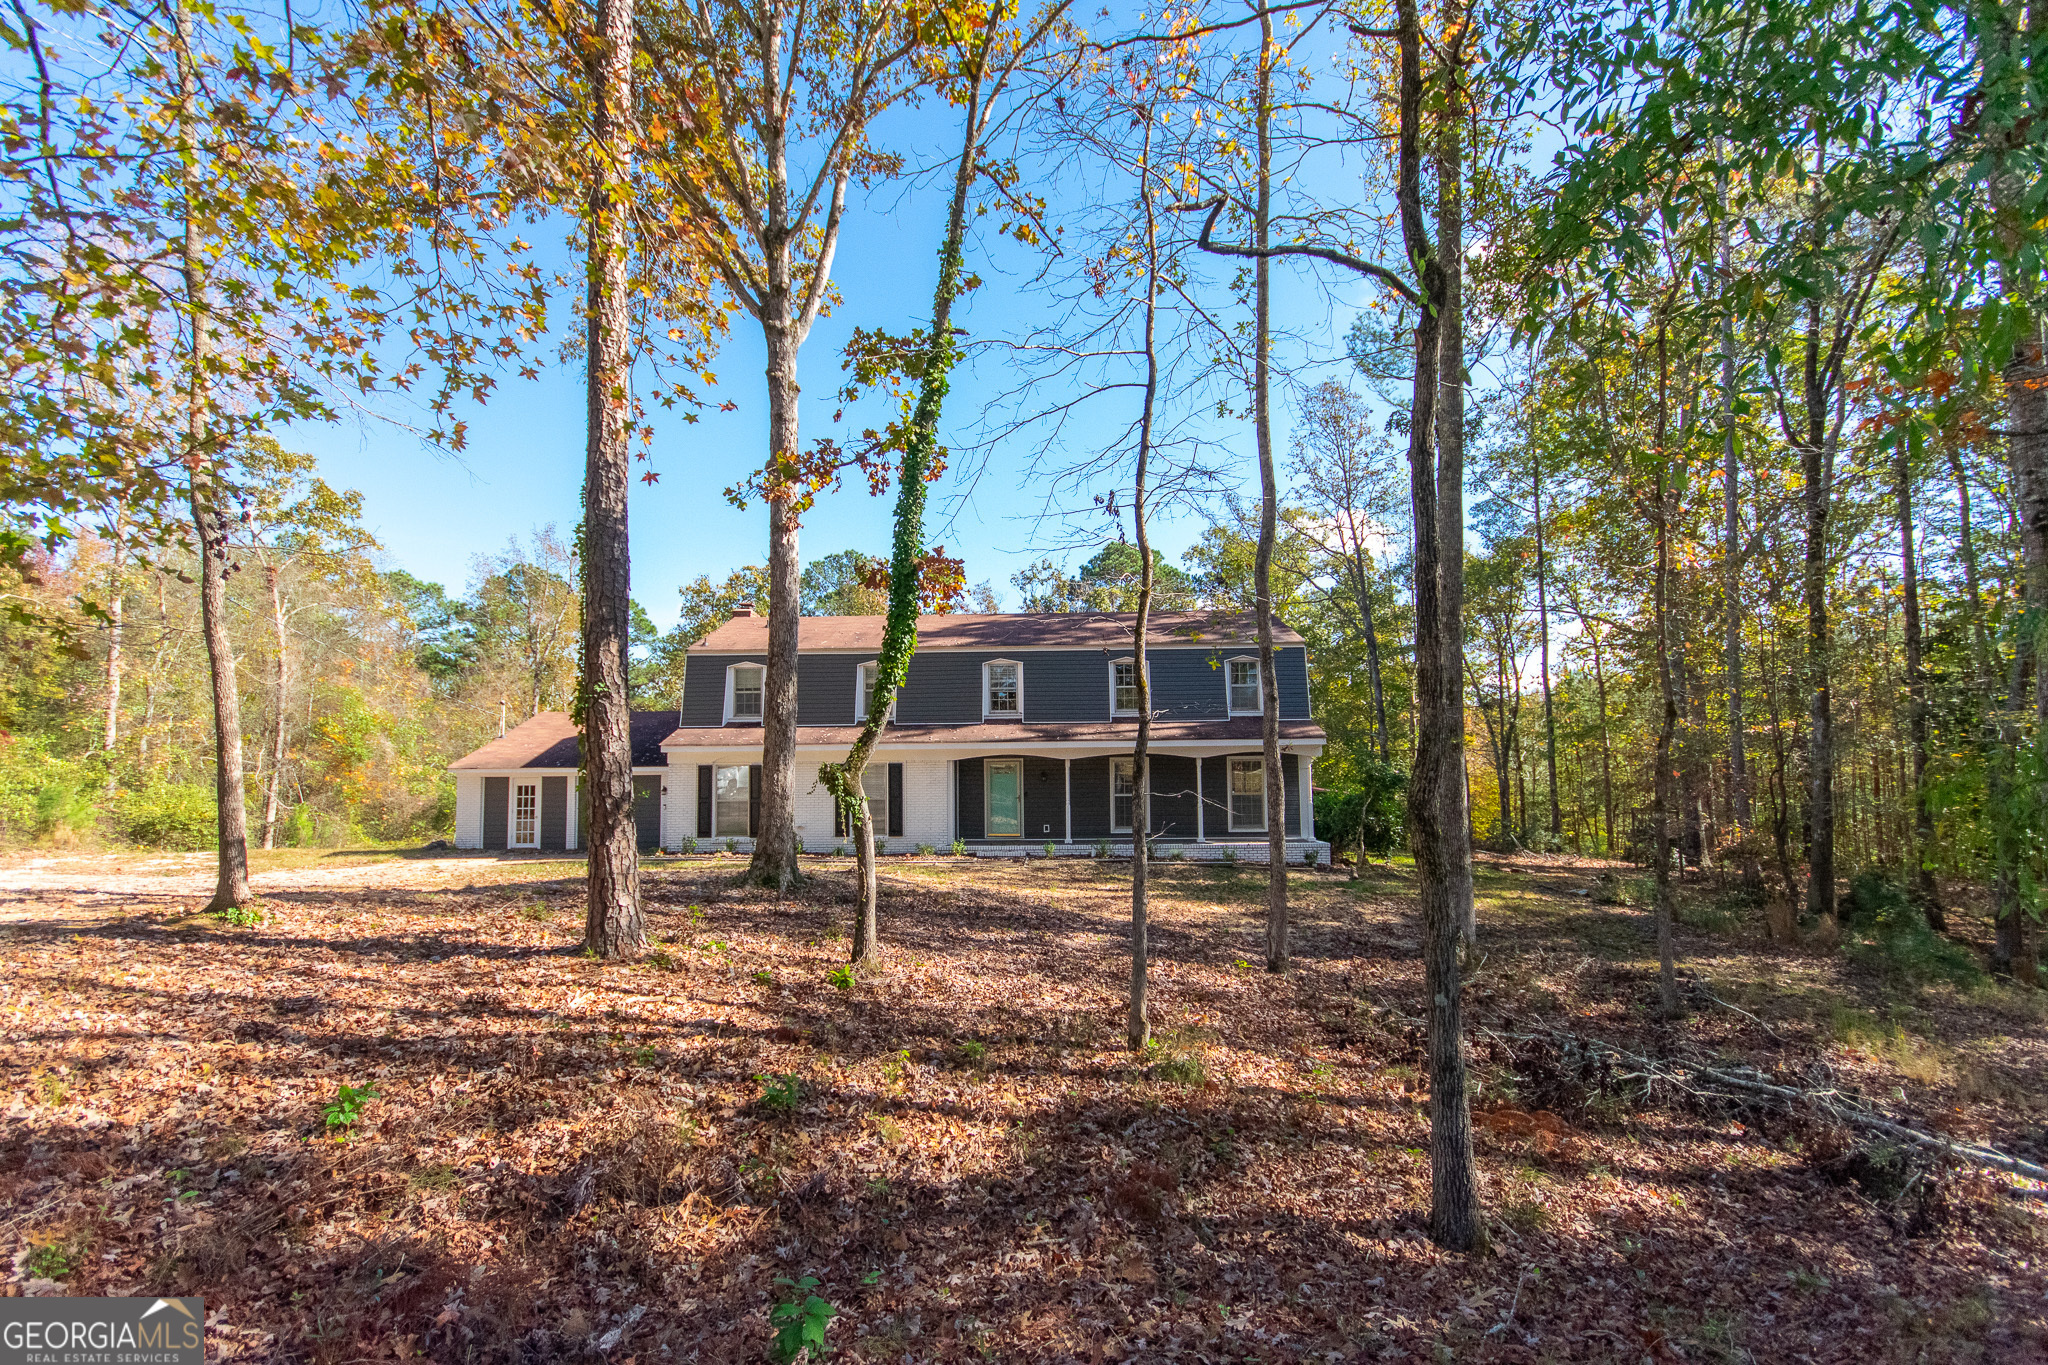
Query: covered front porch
x=1200, y=798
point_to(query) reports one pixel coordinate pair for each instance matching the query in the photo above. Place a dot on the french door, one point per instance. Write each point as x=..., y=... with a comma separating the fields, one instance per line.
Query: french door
x=526, y=815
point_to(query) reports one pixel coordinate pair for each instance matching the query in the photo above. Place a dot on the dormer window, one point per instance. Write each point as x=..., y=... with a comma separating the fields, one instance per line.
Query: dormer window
x=1244, y=687
x=1002, y=689
x=1123, y=687
x=864, y=688
x=744, y=686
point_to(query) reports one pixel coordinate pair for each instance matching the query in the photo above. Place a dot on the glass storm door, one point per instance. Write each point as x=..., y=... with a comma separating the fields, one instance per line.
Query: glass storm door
x=1006, y=800
x=526, y=815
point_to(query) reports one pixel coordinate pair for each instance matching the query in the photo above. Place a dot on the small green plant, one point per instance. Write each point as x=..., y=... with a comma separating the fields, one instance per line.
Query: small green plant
x=781, y=1094
x=345, y=1110
x=52, y=1260
x=240, y=916
x=1177, y=854
x=974, y=1051
x=732, y=846
x=539, y=912
x=1525, y=1216
x=1102, y=848
x=839, y=850
x=718, y=945
x=53, y=1089
x=799, y=843
x=895, y=1068
x=1230, y=857
x=646, y=1055
x=688, y=845
x=1049, y=850
x=764, y=977
x=800, y=1321
x=925, y=850
x=959, y=848
x=840, y=978
x=662, y=960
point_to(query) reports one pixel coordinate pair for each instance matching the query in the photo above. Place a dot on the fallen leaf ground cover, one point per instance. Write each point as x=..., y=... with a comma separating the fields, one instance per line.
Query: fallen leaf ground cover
x=404, y=1117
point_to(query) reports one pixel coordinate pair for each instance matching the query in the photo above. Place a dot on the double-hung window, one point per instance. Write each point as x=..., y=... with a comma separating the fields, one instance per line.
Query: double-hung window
x=1244, y=686
x=747, y=681
x=1123, y=793
x=865, y=690
x=1247, y=794
x=874, y=785
x=1002, y=693
x=1123, y=687
x=731, y=803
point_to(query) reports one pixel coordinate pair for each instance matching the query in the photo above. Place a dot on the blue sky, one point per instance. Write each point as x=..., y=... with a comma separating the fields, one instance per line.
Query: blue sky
x=434, y=512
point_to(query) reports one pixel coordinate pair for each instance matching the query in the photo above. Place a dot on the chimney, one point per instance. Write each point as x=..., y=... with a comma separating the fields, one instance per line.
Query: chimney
x=743, y=609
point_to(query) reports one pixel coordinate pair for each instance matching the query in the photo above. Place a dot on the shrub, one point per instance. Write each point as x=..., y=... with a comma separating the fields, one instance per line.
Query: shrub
x=689, y=845
x=170, y=815
x=1366, y=816
x=959, y=848
x=1102, y=848
x=925, y=850
x=732, y=846
x=840, y=978
x=1048, y=848
x=781, y=1094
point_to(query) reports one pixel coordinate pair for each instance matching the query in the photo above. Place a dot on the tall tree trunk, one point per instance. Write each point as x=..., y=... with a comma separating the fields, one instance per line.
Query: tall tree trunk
x=1455, y=795
x=280, y=676
x=110, y=732
x=1667, y=977
x=615, y=925
x=1543, y=645
x=1269, y=505
x=231, y=886
x=1817, y=467
x=920, y=447
x=1361, y=587
x=1731, y=585
x=1442, y=847
x=1921, y=845
x=1139, y=1031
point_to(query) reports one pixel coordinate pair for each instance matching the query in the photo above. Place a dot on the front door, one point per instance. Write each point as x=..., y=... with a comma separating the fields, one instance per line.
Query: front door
x=1005, y=799
x=647, y=812
x=526, y=815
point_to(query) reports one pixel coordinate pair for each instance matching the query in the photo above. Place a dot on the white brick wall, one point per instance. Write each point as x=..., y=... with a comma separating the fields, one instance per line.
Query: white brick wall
x=469, y=810
x=927, y=802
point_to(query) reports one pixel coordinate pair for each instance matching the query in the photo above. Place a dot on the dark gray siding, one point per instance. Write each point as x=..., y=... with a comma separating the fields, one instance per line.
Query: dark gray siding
x=970, y=798
x=824, y=688
x=1187, y=684
x=1173, y=796
x=554, y=813
x=1066, y=685
x=1091, y=798
x=497, y=810
x=1290, y=772
x=704, y=687
x=1045, y=799
x=944, y=688
x=1290, y=670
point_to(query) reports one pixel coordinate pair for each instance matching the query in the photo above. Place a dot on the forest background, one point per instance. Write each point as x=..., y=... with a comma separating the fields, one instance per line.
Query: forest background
x=1658, y=414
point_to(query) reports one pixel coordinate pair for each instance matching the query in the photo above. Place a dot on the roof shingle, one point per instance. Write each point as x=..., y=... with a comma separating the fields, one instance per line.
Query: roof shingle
x=1011, y=630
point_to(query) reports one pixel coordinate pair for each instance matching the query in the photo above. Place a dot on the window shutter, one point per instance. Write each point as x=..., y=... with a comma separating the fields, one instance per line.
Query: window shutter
x=838, y=819
x=895, y=800
x=753, y=799
x=703, y=800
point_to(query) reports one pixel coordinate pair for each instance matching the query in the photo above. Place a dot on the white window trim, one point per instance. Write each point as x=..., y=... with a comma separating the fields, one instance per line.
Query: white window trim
x=1114, y=709
x=1259, y=691
x=730, y=718
x=1230, y=795
x=512, y=815
x=988, y=768
x=987, y=714
x=717, y=768
x=1114, y=827
x=860, y=693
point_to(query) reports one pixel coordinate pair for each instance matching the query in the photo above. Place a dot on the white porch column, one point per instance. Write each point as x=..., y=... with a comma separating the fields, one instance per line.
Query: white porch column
x=1201, y=811
x=1308, y=797
x=575, y=782
x=1070, y=800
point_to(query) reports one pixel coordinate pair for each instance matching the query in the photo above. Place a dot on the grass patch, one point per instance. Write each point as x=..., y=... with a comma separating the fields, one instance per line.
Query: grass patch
x=1909, y=1054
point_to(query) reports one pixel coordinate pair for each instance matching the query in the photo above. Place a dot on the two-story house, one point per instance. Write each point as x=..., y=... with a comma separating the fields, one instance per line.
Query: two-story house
x=1010, y=732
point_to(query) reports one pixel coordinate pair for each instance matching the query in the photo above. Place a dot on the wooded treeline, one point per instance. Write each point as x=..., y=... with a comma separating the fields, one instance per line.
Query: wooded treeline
x=1744, y=389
